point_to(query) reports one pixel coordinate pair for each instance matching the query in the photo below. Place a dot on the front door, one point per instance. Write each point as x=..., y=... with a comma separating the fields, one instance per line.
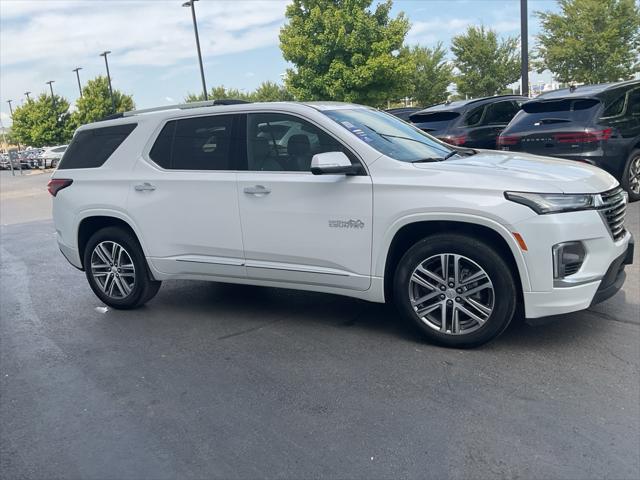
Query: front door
x=184, y=199
x=298, y=227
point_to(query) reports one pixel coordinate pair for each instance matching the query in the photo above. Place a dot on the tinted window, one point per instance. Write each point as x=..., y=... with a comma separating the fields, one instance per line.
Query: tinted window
x=537, y=113
x=500, y=113
x=278, y=142
x=389, y=135
x=433, y=117
x=560, y=106
x=59, y=149
x=91, y=148
x=474, y=117
x=200, y=143
x=633, y=104
x=614, y=107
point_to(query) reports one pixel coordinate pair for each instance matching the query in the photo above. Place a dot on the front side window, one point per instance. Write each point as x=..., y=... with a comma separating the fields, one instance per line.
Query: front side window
x=278, y=142
x=199, y=143
x=389, y=135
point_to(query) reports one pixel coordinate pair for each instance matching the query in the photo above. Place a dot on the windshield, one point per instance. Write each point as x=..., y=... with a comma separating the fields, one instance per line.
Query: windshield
x=389, y=135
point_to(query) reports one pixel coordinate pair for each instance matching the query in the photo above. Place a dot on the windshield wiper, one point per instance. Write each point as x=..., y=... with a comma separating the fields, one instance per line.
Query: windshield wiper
x=436, y=159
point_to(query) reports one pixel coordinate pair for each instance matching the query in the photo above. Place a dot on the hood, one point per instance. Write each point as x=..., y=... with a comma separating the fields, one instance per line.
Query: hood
x=524, y=172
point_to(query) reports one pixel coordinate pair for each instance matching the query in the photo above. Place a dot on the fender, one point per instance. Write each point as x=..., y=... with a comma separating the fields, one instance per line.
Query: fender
x=108, y=212
x=381, y=250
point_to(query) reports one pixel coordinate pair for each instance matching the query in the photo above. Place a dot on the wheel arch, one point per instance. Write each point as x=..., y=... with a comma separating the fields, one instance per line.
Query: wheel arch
x=93, y=221
x=410, y=231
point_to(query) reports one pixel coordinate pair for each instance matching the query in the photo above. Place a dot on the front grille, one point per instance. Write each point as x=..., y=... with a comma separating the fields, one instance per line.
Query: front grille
x=613, y=211
x=572, y=268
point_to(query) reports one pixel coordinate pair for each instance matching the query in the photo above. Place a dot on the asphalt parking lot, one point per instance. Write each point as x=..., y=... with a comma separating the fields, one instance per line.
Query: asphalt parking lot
x=223, y=381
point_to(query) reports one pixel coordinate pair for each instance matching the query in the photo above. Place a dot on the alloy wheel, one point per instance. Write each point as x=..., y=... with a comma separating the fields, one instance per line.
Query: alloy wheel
x=112, y=269
x=451, y=294
x=634, y=175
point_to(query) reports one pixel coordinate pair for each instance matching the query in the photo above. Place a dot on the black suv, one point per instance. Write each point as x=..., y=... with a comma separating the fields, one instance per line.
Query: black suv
x=597, y=124
x=403, y=113
x=470, y=123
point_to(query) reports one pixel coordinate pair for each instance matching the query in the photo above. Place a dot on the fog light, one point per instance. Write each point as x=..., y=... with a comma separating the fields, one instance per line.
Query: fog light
x=567, y=259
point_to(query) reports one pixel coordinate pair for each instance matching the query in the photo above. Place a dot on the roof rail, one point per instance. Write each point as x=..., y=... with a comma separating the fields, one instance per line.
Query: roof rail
x=185, y=106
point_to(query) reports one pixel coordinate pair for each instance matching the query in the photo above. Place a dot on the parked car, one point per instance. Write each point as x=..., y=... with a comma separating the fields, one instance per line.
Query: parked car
x=469, y=123
x=51, y=156
x=4, y=161
x=375, y=209
x=595, y=124
x=403, y=113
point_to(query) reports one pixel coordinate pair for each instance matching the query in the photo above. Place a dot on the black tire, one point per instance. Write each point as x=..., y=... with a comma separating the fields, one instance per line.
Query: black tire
x=503, y=296
x=144, y=287
x=632, y=163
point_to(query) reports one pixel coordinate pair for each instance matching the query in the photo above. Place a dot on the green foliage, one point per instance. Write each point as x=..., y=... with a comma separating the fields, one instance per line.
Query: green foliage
x=345, y=50
x=266, y=92
x=432, y=75
x=37, y=124
x=486, y=65
x=95, y=103
x=590, y=41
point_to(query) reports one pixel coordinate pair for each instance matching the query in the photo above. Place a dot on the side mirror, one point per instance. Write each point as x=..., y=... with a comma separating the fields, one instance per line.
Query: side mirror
x=333, y=163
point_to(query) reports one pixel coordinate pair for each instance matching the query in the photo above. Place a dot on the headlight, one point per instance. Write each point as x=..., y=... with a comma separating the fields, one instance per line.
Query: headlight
x=542, y=203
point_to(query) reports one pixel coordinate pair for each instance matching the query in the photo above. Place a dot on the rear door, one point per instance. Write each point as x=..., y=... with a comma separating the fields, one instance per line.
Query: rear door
x=183, y=198
x=496, y=117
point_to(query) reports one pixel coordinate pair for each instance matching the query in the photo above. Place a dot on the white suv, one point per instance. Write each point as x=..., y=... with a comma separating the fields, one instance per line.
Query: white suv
x=356, y=202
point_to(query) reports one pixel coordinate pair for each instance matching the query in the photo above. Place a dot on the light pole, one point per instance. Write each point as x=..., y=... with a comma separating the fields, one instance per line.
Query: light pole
x=106, y=63
x=77, y=69
x=524, y=46
x=26, y=94
x=53, y=99
x=10, y=108
x=195, y=29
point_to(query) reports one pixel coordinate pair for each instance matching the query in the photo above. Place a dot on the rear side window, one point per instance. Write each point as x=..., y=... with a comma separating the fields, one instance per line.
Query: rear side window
x=473, y=117
x=91, y=148
x=200, y=143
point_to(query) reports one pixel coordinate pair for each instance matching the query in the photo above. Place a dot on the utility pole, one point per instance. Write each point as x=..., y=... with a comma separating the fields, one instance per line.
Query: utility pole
x=27, y=95
x=106, y=63
x=524, y=46
x=77, y=69
x=10, y=107
x=195, y=29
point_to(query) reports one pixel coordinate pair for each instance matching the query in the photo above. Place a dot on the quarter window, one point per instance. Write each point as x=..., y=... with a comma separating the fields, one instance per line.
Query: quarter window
x=91, y=148
x=473, y=117
x=199, y=143
x=500, y=113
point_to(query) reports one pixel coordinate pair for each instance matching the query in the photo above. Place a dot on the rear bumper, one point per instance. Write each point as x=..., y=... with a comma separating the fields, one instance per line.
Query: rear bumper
x=71, y=254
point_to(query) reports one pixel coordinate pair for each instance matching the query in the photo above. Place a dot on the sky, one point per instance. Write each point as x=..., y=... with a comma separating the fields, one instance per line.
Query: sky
x=153, y=47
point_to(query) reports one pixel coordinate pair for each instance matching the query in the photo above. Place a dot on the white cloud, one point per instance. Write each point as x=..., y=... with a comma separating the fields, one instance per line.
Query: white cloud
x=54, y=36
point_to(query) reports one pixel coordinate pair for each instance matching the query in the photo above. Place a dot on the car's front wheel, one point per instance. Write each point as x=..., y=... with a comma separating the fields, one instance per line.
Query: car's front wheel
x=458, y=290
x=116, y=269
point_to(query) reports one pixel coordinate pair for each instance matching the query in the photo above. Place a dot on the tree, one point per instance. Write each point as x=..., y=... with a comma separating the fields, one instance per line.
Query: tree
x=95, y=103
x=266, y=92
x=486, y=65
x=590, y=41
x=344, y=50
x=38, y=124
x=432, y=75
x=271, y=92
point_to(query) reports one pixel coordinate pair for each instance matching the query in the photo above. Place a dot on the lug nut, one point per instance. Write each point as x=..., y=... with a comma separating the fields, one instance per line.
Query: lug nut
x=458, y=299
x=443, y=288
x=449, y=302
x=451, y=285
x=459, y=290
x=442, y=297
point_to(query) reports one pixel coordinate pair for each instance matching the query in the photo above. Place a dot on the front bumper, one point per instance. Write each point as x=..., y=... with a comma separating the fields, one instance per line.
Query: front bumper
x=615, y=276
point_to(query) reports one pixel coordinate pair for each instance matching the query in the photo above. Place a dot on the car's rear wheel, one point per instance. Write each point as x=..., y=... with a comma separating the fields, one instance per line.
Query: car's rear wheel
x=631, y=176
x=116, y=269
x=458, y=290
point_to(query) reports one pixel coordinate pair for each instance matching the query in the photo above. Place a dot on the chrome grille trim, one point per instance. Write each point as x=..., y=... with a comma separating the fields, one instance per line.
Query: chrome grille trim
x=613, y=212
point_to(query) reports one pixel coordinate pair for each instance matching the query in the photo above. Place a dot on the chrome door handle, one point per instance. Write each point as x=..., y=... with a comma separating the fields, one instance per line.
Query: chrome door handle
x=257, y=190
x=145, y=187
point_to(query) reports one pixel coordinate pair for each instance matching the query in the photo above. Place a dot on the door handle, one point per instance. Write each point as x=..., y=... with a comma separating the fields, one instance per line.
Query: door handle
x=145, y=187
x=257, y=190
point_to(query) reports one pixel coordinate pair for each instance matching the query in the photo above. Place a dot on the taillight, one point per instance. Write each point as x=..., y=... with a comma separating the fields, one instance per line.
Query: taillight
x=504, y=140
x=57, y=184
x=454, y=139
x=588, y=136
